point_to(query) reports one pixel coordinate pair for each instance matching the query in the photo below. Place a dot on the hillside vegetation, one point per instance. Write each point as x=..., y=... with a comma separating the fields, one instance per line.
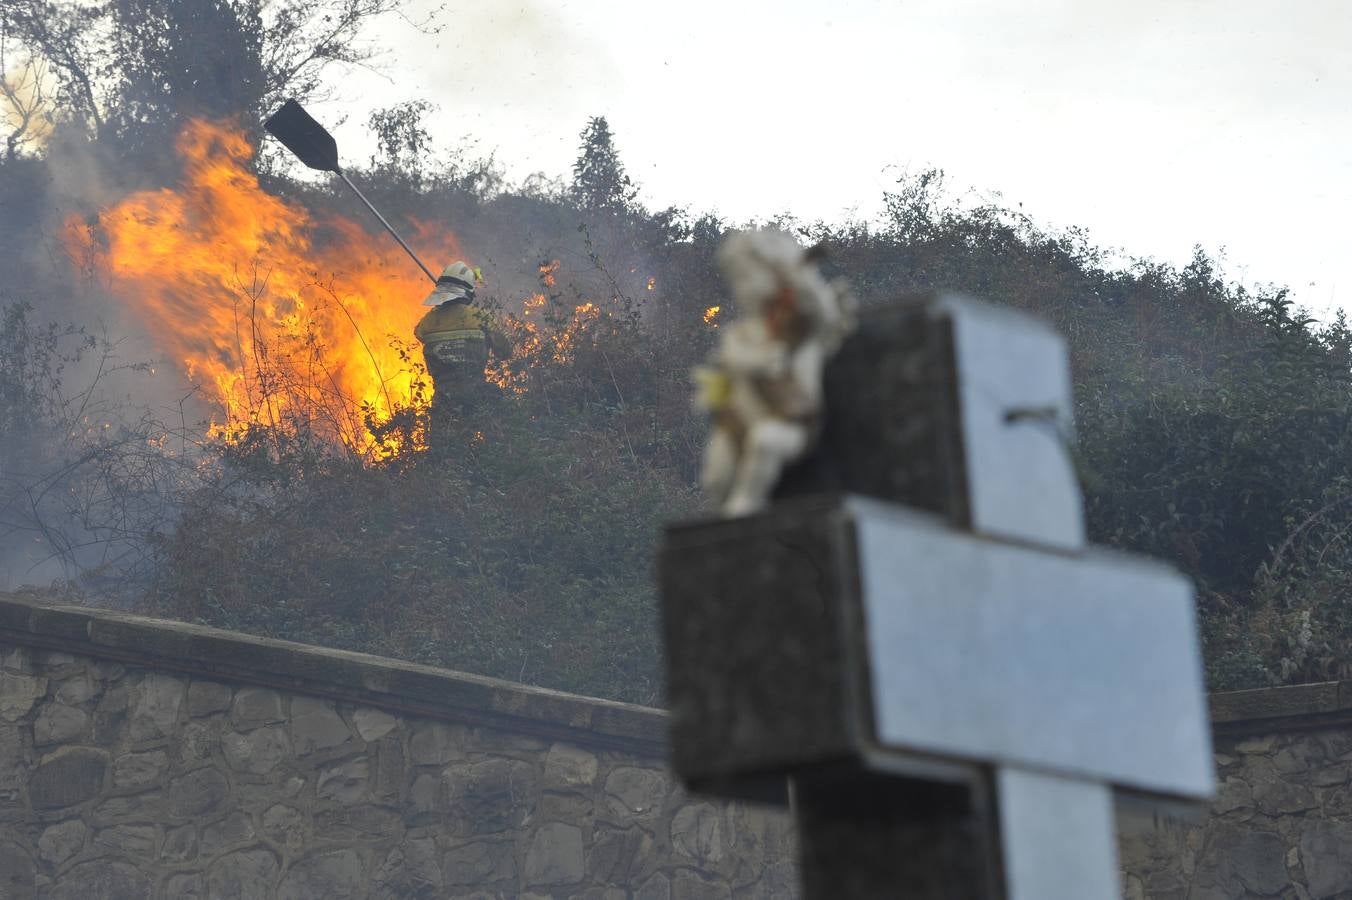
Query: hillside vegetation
x=1213, y=427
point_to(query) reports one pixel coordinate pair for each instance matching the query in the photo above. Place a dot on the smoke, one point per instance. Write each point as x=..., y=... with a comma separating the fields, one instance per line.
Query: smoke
x=84, y=470
x=514, y=50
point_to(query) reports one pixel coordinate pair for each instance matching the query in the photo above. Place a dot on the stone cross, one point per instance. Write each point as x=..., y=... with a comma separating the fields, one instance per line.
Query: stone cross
x=917, y=637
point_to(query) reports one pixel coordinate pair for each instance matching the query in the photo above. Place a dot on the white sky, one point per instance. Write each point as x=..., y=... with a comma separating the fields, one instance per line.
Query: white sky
x=1155, y=124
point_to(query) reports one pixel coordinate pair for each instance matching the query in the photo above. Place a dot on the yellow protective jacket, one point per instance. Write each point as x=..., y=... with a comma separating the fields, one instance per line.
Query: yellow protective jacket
x=459, y=334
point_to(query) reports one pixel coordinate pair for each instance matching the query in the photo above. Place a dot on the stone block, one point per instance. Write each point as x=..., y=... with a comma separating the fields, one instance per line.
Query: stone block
x=1242, y=861
x=372, y=824
x=155, y=704
x=184, y=886
x=1287, y=762
x=1233, y=794
x=196, y=742
x=60, y=842
x=425, y=794
x=284, y=826
x=134, y=770
x=636, y=792
x=15, y=755
x=17, y=660
x=345, y=782
x=565, y=807
x=103, y=879
x=147, y=807
x=1330, y=775
x=243, y=875
x=198, y=794
x=388, y=775
x=207, y=697
x=256, y=706
x=180, y=844
x=110, y=715
x=373, y=724
x=1326, y=853
x=688, y=885
x=68, y=776
x=134, y=840
x=223, y=834
x=699, y=835
x=555, y=855
x=618, y=856
x=77, y=689
x=480, y=863
x=1276, y=797
x=436, y=743
x=656, y=888
x=406, y=874
x=492, y=796
x=257, y=751
x=18, y=693
x=336, y=874
x=316, y=726
x=569, y=768
x=58, y=723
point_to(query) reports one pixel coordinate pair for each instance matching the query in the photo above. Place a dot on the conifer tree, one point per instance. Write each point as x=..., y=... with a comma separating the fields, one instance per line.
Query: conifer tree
x=599, y=181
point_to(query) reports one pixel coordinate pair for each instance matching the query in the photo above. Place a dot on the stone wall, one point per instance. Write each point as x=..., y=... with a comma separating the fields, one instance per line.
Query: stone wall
x=141, y=758
x=1281, y=825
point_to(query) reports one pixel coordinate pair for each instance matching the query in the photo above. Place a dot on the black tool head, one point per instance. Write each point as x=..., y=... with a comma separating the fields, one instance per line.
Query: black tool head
x=303, y=136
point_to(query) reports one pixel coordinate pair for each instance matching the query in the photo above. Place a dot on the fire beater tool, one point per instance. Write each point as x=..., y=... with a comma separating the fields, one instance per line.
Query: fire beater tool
x=314, y=146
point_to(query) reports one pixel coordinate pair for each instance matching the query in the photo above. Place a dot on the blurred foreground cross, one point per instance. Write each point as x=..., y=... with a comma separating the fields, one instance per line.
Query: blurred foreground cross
x=917, y=637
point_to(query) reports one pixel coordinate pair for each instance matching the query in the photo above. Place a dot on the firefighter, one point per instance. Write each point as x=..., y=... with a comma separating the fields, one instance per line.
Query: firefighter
x=457, y=337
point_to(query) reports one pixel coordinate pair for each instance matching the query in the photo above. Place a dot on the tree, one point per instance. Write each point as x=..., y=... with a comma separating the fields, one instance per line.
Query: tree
x=599, y=181
x=133, y=69
x=25, y=102
x=402, y=141
x=63, y=34
x=178, y=60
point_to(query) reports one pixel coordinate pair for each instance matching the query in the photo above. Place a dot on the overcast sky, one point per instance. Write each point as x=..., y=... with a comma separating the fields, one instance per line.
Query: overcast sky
x=1156, y=124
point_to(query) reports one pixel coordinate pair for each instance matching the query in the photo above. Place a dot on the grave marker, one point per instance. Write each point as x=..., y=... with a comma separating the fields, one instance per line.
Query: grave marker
x=919, y=639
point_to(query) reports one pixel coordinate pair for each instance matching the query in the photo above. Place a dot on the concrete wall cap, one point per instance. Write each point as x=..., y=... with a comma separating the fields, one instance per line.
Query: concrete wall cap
x=338, y=674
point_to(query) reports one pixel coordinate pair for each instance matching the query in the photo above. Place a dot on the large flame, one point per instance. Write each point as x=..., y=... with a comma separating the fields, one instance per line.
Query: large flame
x=283, y=329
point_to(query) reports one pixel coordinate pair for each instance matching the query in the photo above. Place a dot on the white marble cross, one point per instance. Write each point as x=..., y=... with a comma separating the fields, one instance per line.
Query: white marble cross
x=857, y=643
x=1009, y=643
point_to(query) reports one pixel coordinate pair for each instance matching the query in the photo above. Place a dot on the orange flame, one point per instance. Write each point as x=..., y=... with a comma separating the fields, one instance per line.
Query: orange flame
x=282, y=329
x=711, y=316
x=540, y=334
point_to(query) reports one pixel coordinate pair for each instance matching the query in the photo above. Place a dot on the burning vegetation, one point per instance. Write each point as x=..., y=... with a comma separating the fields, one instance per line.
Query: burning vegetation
x=289, y=326
x=282, y=328
x=1215, y=423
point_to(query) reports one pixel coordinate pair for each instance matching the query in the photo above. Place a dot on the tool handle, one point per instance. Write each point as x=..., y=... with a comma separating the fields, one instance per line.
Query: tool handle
x=388, y=226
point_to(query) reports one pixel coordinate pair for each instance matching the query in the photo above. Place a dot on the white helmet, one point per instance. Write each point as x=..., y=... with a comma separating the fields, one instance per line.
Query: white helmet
x=455, y=284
